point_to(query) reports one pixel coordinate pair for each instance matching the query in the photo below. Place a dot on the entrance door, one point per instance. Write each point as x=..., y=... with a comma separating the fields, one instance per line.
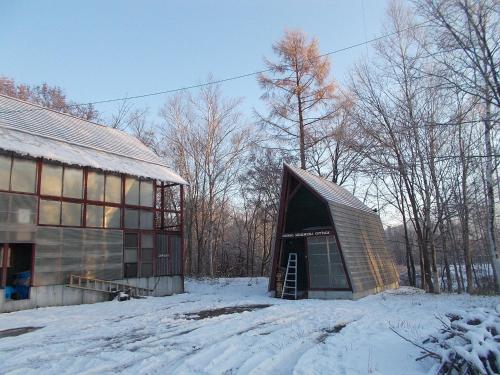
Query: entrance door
x=297, y=245
x=17, y=270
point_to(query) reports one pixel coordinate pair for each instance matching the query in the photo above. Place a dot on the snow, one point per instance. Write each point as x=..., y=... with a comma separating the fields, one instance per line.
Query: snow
x=168, y=335
x=473, y=335
x=38, y=146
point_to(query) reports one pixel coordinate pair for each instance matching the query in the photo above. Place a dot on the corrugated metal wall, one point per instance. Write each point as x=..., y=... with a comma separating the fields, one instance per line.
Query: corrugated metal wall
x=361, y=236
x=169, y=255
x=96, y=253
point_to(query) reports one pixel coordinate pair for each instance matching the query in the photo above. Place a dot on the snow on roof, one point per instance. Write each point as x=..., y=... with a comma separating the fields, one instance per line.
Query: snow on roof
x=29, y=129
x=330, y=191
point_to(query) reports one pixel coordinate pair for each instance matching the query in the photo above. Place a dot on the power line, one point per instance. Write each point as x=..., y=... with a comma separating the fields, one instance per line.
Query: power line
x=233, y=78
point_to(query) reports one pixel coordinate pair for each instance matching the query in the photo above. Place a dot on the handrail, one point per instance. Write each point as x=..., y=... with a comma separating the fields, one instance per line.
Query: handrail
x=76, y=281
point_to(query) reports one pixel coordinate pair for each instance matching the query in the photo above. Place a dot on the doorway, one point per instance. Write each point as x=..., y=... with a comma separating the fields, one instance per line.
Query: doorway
x=296, y=245
x=16, y=271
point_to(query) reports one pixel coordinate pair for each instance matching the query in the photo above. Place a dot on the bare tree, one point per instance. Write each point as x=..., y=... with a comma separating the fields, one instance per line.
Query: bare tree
x=467, y=42
x=207, y=140
x=297, y=91
x=52, y=97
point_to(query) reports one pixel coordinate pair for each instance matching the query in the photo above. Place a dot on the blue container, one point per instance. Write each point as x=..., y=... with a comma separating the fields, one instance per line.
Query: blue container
x=23, y=278
x=9, y=291
x=23, y=292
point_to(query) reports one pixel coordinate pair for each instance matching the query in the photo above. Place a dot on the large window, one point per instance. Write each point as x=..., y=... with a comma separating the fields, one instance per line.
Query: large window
x=146, y=196
x=71, y=214
x=59, y=181
x=23, y=176
x=95, y=186
x=104, y=187
x=326, y=269
x=73, y=183
x=5, y=166
x=54, y=212
x=146, y=219
x=50, y=212
x=113, y=188
x=138, y=193
x=112, y=217
x=131, y=218
x=138, y=219
x=95, y=216
x=51, y=180
x=132, y=191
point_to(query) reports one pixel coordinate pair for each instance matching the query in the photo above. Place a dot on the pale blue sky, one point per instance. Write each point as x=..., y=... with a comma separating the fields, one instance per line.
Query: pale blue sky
x=98, y=49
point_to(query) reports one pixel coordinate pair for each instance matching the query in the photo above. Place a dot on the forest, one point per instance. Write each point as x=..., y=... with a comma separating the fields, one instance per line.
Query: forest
x=412, y=133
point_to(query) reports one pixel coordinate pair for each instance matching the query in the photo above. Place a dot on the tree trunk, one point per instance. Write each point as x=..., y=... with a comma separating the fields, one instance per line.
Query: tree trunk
x=492, y=245
x=465, y=215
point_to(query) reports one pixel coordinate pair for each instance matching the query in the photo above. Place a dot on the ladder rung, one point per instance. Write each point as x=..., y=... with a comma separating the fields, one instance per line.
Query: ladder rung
x=290, y=280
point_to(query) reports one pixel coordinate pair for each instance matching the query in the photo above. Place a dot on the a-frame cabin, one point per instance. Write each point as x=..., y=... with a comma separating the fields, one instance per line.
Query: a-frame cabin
x=339, y=242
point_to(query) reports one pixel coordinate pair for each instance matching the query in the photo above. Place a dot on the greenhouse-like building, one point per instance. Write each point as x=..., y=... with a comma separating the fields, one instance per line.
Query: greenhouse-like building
x=328, y=243
x=82, y=199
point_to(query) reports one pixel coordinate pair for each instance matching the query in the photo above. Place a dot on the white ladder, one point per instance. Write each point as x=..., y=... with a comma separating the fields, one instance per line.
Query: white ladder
x=290, y=280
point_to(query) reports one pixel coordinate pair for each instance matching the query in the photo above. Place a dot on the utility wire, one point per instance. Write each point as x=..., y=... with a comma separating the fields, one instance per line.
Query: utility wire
x=233, y=78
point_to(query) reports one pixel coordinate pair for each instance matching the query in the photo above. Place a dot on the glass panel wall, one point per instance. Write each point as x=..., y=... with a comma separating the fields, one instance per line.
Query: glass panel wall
x=95, y=186
x=112, y=217
x=50, y=212
x=132, y=191
x=146, y=193
x=71, y=214
x=73, y=183
x=325, y=264
x=146, y=219
x=94, y=216
x=5, y=165
x=23, y=178
x=131, y=218
x=113, y=188
x=51, y=180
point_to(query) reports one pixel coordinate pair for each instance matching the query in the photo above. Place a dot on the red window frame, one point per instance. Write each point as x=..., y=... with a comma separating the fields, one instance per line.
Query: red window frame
x=158, y=208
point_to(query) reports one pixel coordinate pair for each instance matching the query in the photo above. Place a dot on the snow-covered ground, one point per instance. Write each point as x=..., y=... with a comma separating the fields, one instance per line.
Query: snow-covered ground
x=170, y=336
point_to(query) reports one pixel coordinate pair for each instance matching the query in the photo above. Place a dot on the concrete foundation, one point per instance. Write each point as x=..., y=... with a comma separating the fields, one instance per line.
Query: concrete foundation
x=333, y=294
x=329, y=294
x=61, y=295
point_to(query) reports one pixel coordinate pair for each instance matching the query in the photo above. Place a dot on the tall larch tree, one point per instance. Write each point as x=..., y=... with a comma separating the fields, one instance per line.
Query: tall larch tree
x=298, y=91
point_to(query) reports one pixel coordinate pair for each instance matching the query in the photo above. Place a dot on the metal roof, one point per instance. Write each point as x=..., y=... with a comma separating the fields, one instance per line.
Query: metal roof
x=360, y=233
x=30, y=129
x=328, y=190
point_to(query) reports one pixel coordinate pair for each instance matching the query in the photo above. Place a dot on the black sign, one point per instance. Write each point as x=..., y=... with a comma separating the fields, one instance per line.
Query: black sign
x=307, y=234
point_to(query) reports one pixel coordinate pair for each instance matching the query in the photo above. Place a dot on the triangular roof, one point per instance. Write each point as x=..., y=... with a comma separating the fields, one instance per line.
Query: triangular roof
x=359, y=231
x=328, y=190
x=33, y=130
